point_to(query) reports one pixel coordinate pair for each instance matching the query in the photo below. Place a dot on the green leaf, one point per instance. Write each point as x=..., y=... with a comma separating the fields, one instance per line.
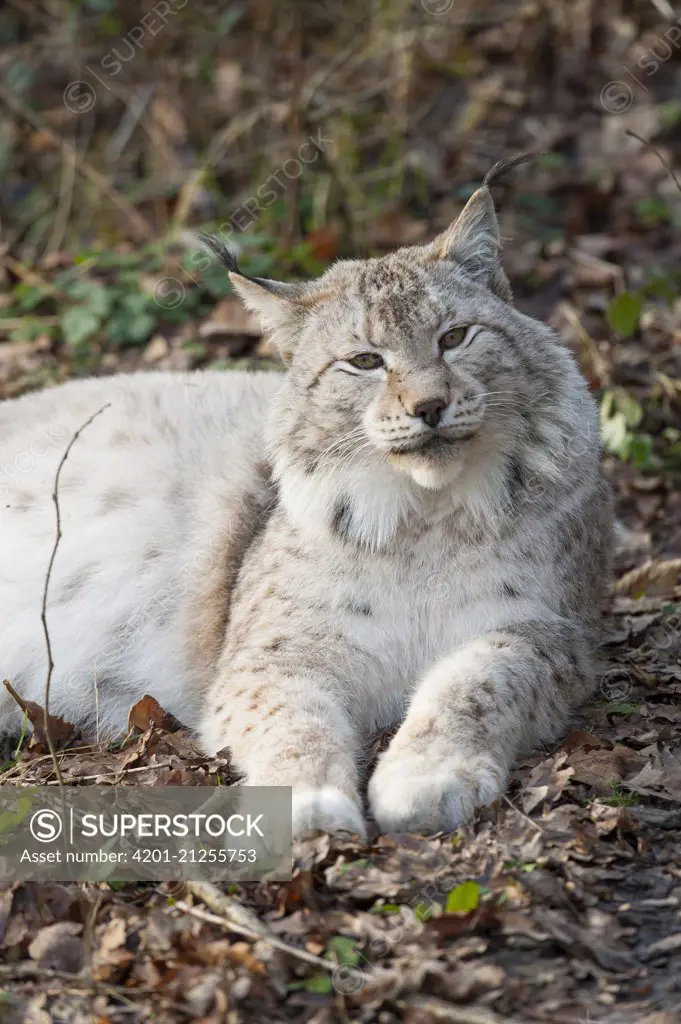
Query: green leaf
x=27, y=296
x=320, y=983
x=95, y=297
x=78, y=324
x=629, y=407
x=619, y=413
x=620, y=707
x=641, y=451
x=670, y=112
x=623, y=314
x=133, y=321
x=5, y=151
x=343, y=949
x=463, y=899
x=423, y=911
x=615, y=435
x=204, y=70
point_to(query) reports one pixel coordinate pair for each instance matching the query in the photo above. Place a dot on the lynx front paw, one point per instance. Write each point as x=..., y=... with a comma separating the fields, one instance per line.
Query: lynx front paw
x=421, y=794
x=327, y=809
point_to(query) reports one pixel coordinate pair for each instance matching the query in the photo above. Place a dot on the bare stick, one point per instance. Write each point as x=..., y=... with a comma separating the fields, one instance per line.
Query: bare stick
x=522, y=814
x=232, y=916
x=48, y=576
x=660, y=156
x=119, y=773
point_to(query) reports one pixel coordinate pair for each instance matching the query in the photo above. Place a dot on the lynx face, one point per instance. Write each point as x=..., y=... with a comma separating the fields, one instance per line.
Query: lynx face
x=403, y=363
x=406, y=373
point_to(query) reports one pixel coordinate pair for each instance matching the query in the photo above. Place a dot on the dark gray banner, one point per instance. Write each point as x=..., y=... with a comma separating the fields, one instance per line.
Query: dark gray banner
x=145, y=833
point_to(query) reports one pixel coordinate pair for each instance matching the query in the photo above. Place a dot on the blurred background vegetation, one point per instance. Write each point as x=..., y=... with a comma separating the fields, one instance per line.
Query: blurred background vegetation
x=309, y=130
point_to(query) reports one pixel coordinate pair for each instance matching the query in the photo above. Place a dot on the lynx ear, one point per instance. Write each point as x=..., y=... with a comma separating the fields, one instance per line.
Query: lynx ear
x=276, y=304
x=473, y=242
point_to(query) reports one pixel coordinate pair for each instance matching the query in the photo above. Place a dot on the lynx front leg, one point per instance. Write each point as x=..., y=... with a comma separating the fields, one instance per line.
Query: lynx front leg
x=289, y=730
x=470, y=717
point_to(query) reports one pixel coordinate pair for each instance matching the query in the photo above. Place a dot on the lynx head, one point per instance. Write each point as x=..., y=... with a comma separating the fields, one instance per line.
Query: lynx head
x=408, y=375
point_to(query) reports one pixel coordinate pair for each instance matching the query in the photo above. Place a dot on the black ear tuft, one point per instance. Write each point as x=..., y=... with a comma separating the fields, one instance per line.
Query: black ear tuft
x=220, y=250
x=501, y=167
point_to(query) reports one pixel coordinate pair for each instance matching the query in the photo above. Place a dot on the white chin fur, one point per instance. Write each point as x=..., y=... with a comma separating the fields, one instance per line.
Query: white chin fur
x=432, y=477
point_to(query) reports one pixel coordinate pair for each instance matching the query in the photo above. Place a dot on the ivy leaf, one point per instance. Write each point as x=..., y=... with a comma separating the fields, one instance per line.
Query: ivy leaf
x=78, y=324
x=92, y=295
x=463, y=899
x=623, y=314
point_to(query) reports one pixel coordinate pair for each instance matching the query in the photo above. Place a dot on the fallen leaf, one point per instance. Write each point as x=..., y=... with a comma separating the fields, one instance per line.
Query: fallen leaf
x=546, y=783
x=601, y=767
x=58, y=947
x=61, y=732
x=147, y=712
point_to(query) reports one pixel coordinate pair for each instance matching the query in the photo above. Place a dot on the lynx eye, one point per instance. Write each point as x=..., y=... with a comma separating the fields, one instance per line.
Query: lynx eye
x=366, y=361
x=452, y=338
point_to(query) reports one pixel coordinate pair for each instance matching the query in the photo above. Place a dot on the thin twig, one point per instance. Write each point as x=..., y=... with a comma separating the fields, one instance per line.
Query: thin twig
x=660, y=156
x=48, y=576
x=233, y=916
x=119, y=772
x=522, y=814
x=273, y=940
x=32, y=277
x=61, y=220
x=72, y=751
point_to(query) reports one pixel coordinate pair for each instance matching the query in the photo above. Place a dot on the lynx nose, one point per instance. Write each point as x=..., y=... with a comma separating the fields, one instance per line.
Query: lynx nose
x=430, y=411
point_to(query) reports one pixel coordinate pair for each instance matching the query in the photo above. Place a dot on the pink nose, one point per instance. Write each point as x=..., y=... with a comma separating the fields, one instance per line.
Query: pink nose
x=430, y=411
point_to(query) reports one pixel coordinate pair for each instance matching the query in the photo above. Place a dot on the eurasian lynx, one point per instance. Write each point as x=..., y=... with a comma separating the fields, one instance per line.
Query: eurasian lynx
x=410, y=525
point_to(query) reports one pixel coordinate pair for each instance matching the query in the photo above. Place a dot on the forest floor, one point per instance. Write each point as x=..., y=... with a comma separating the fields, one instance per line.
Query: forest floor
x=562, y=902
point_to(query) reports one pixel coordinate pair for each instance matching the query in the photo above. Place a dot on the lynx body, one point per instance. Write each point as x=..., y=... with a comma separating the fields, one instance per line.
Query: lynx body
x=409, y=526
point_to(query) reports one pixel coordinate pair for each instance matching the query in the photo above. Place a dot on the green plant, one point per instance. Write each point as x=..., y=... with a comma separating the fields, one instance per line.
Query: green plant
x=463, y=898
x=620, y=797
x=624, y=312
x=620, y=414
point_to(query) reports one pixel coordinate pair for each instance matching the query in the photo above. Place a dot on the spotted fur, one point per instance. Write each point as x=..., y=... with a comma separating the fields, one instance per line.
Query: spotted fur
x=291, y=563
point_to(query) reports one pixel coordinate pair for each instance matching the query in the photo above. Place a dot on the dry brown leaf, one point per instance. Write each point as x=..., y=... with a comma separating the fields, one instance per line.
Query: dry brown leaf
x=58, y=947
x=147, y=712
x=63, y=733
x=579, y=738
x=600, y=767
x=546, y=783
